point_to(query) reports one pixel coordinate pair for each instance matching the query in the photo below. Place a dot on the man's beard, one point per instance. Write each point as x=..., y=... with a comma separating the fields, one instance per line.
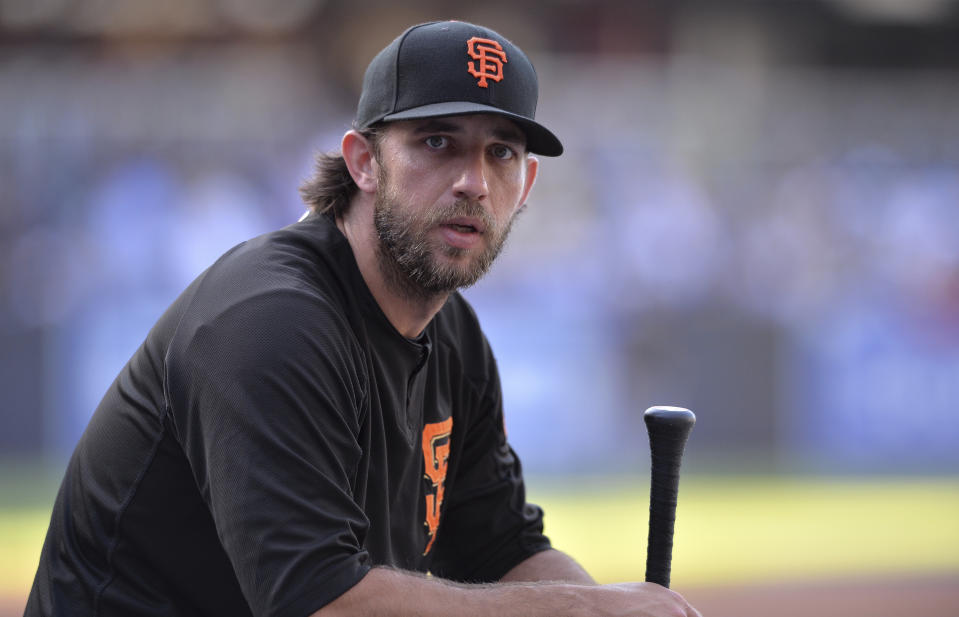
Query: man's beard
x=411, y=260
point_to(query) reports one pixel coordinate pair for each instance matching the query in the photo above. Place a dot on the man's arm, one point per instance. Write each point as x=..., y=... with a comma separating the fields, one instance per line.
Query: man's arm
x=549, y=565
x=391, y=593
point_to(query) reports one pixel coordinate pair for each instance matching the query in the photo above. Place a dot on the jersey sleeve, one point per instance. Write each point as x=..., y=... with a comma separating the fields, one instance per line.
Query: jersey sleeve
x=487, y=527
x=266, y=399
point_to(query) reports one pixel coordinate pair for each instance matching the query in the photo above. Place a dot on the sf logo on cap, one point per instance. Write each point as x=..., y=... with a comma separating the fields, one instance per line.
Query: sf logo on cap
x=490, y=58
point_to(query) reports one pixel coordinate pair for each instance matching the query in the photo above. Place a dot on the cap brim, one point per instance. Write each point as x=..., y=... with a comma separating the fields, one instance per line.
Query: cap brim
x=539, y=139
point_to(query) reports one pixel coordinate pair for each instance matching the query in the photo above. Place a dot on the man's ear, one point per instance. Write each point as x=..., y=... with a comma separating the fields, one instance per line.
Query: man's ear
x=358, y=156
x=532, y=166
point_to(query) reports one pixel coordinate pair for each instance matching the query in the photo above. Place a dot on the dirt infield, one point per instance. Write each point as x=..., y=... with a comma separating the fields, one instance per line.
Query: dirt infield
x=936, y=596
x=11, y=607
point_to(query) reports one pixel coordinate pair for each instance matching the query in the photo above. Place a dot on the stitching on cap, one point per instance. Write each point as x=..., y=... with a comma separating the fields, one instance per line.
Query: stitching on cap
x=396, y=67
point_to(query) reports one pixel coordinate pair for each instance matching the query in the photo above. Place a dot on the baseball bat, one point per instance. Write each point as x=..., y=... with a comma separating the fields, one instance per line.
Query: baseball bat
x=668, y=429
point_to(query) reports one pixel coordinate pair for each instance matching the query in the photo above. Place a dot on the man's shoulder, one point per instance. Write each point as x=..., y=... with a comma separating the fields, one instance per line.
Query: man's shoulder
x=283, y=287
x=306, y=259
x=312, y=245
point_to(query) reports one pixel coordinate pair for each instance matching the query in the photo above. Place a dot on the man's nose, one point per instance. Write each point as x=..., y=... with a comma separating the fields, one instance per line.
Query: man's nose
x=471, y=183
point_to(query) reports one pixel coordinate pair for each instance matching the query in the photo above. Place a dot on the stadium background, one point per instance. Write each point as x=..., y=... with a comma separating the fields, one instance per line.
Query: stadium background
x=757, y=217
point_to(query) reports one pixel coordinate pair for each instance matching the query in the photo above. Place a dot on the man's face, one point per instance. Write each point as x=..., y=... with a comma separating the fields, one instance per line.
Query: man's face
x=448, y=190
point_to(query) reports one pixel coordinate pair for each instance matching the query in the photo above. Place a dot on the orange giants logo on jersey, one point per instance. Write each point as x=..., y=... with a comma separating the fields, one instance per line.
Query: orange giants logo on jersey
x=490, y=58
x=436, y=456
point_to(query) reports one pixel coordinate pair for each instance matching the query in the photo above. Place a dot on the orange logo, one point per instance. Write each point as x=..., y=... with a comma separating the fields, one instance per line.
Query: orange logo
x=490, y=57
x=436, y=456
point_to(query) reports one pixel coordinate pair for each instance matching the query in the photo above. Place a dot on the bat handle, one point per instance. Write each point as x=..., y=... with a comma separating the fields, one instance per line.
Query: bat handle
x=668, y=429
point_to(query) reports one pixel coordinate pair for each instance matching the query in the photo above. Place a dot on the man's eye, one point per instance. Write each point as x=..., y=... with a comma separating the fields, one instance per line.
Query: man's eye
x=502, y=152
x=437, y=141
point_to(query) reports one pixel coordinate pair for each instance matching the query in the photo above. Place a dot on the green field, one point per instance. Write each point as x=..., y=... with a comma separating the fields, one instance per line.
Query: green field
x=728, y=530
x=735, y=529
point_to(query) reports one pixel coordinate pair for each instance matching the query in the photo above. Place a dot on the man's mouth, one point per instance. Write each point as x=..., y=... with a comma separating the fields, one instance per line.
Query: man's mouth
x=462, y=228
x=465, y=225
x=463, y=232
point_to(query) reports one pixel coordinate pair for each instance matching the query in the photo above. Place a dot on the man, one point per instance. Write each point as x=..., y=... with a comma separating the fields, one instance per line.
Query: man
x=317, y=420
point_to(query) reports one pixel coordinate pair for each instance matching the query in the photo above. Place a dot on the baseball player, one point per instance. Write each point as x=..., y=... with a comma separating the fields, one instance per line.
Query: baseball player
x=316, y=422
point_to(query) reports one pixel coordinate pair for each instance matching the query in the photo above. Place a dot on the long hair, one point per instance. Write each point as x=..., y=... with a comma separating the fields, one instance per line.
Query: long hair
x=331, y=187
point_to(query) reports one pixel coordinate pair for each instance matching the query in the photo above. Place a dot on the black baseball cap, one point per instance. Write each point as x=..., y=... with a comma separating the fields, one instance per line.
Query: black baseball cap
x=447, y=68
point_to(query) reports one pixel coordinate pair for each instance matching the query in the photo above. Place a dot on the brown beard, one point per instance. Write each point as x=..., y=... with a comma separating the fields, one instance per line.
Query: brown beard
x=407, y=255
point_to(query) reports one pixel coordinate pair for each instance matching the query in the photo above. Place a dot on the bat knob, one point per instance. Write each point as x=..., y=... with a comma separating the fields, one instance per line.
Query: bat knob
x=672, y=421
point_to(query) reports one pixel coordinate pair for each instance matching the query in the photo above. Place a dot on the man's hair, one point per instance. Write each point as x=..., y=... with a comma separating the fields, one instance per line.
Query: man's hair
x=331, y=188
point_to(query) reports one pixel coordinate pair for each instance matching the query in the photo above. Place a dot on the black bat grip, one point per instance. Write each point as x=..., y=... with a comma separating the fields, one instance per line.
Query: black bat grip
x=668, y=429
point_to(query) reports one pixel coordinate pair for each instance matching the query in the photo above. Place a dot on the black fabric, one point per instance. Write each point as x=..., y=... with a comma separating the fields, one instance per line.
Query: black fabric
x=274, y=438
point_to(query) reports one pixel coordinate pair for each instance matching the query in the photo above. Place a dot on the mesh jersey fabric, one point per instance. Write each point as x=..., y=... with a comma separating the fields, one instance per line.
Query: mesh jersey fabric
x=274, y=438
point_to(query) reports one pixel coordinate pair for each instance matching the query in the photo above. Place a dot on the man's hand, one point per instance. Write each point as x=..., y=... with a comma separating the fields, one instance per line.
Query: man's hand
x=384, y=592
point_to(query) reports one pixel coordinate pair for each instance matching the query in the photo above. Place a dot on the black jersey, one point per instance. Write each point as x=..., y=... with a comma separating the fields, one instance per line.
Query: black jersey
x=274, y=438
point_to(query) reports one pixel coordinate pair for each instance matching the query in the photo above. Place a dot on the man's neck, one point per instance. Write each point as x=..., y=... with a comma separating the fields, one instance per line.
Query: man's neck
x=408, y=313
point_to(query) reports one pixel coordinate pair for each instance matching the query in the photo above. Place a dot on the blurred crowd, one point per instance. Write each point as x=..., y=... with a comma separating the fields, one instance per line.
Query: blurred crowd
x=759, y=230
